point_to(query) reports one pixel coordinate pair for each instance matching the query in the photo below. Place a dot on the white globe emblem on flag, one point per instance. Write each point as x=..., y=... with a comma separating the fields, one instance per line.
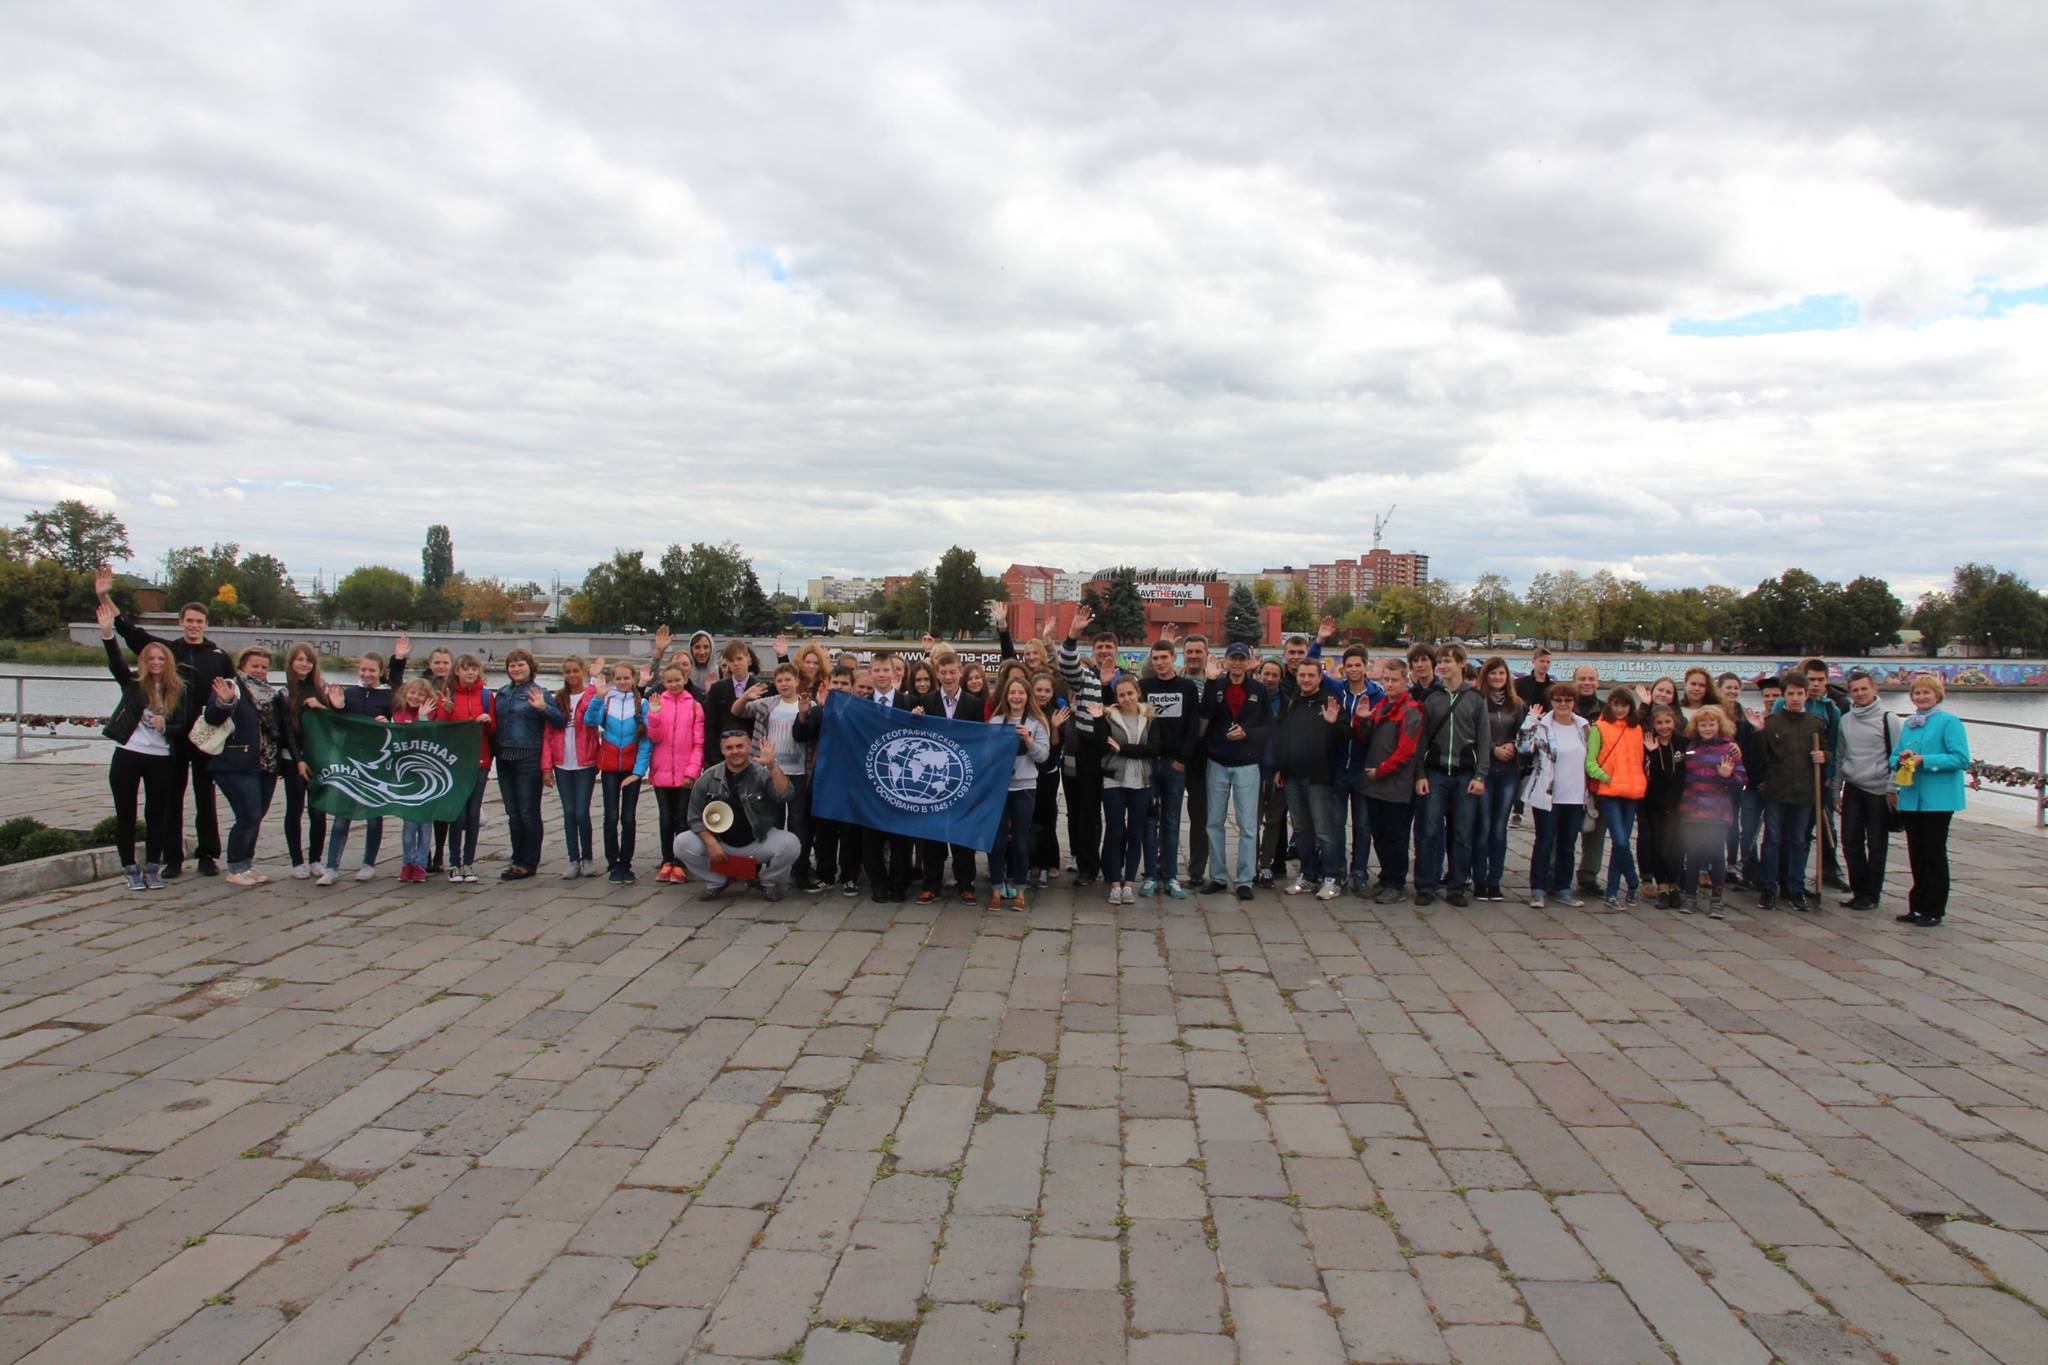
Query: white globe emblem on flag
x=917, y=772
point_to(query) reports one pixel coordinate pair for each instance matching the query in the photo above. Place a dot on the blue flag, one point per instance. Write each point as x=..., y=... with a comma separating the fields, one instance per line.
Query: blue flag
x=926, y=777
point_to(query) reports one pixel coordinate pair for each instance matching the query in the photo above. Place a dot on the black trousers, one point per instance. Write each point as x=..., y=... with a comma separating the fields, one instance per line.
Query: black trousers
x=1195, y=829
x=305, y=825
x=1390, y=822
x=1927, y=851
x=887, y=859
x=1084, y=810
x=1045, y=822
x=931, y=857
x=826, y=850
x=152, y=774
x=672, y=816
x=1865, y=839
x=621, y=820
x=189, y=766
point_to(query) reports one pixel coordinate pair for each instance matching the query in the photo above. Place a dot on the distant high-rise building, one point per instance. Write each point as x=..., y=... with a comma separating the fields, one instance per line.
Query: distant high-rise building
x=824, y=591
x=1355, y=578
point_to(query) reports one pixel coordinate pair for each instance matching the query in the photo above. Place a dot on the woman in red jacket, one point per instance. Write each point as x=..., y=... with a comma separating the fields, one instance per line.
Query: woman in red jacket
x=468, y=699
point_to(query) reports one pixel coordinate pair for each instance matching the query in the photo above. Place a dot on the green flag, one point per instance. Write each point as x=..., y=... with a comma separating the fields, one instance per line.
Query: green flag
x=364, y=768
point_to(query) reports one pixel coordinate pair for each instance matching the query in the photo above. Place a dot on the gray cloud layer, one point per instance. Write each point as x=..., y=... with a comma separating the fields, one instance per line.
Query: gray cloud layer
x=1070, y=284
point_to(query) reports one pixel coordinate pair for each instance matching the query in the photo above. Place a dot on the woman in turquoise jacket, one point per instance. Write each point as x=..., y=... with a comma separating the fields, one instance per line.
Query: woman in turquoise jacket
x=1929, y=764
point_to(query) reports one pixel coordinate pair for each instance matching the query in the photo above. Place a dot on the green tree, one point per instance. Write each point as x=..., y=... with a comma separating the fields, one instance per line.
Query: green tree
x=1436, y=604
x=1492, y=600
x=1264, y=593
x=1935, y=618
x=960, y=595
x=1718, y=604
x=1398, y=609
x=1864, y=616
x=194, y=573
x=1297, y=610
x=623, y=591
x=38, y=595
x=1241, y=619
x=374, y=596
x=703, y=586
x=437, y=558
x=1339, y=605
x=76, y=535
x=1783, y=614
x=265, y=587
x=487, y=600
x=435, y=607
x=756, y=615
x=1123, y=611
x=1997, y=609
x=908, y=609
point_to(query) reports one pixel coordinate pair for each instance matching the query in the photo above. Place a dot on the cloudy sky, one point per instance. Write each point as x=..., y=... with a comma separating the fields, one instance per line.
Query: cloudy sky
x=1689, y=292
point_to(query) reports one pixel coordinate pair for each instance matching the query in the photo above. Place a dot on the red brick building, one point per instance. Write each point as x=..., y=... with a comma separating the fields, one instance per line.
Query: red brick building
x=1194, y=608
x=1377, y=569
x=1030, y=583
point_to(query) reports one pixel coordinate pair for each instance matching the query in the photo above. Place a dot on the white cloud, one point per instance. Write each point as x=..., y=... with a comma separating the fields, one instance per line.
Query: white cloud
x=1064, y=285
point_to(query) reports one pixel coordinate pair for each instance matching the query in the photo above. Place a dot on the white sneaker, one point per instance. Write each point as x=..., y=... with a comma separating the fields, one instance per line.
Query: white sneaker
x=1299, y=887
x=302, y=872
x=241, y=879
x=367, y=872
x=1328, y=891
x=572, y=871
x=469, y=873
x=454, y=872
x=1116, y=894
x=326, y=877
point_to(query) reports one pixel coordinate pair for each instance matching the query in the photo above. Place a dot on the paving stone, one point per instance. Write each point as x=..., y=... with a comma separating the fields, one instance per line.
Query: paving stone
x=1531, y=1238
x=1295, y=1325
x=1467, y=1289
x=1684, y=1312
x=1767, y=1211
x=292, y=1207
x=767, y=1308
x=1076, y=1263
x=1017, y=1084
x=935, y=1126
x=2014, y=1259
x=157, y=1302
x=983, y=1261
x=460, y=1215
x=1003, y=1161
x=561, y=1309
x=957, y=1334
x=1174, y=1278
x=1071, y=1327
x=1737, y=1270
x=1592, y=1323
x=1260, y=1244
x=1435, y=1221
x=1180, y=1348
x=510, y=1254
x=337, y=1326
x=883, y=1273
x=697, y=1259
x=308, y=1267
x=825, y=1346
x=2000, y=1323
x=218, y=1332
x=1863, y=1294
x=443, y=1323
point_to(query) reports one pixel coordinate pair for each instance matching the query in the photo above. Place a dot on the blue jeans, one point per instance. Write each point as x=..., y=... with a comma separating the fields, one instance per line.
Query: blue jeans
x=621, y=821
x=1318, y=829
x=574, y=786
x=1618, y=817
x=1010, y=864
x=337, y=841
x=1349, y=790
x=1557, y=846
x=1750, y=823
x=1493, y=826
x=1123, y=830
x=519, y=789
x=1788, y=833
x=1162, y=825
x=416, y=841
x=248, y=797
x=1233, y=786
x=1449, y=813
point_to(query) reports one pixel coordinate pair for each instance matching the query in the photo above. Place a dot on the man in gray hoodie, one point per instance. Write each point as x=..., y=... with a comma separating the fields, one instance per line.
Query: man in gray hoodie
x=1866, y=768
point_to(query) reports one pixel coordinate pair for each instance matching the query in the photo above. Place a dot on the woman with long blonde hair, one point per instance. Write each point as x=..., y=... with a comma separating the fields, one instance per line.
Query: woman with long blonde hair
x=305, y=827
x=152, y=709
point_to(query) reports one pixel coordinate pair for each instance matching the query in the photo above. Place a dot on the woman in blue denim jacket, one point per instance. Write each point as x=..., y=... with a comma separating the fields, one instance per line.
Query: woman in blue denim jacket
x=524, y=710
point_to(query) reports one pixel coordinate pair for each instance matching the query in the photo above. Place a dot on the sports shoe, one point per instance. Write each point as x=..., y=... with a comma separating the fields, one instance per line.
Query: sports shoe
x=1631, y=902
x=1860, y=903
x=1389, y=895
x=1915, y=917
x=1716, y=909
x=326, y=877
x=927, y=897
x=1456, y=898
x=1215, y=886
x=239, y=879
x=455, y=874
x=367, y=872
x=628, y=877
x=1766, y=901
x=615, y=876
x=1687, y=905
x=1800, y=904
x=1425, y=898
x=132, y=875
x=572, y=871
x=1572, y=899
x=1175, y=890
x=1329, y=890
x=1300, y=886
x=1017, y=902
x=209, y=867
x=1148, y=888
x=172, y=871
x=1536, y=900
x=1116, y=894
x=1265, y=880
x=1244, y=893
x=849, y=887
x=301, y=871
x=152, y=878
x=1613, y=902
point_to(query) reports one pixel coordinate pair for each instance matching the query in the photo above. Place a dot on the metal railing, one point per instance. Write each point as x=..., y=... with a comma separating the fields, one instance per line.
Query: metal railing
x=2027, y=787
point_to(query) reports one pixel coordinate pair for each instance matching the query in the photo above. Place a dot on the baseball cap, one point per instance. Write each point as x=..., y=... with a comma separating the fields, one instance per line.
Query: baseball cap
x=1238, y=650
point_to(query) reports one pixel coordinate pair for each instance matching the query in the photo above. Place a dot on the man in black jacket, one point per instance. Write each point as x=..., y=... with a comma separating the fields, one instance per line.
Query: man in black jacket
x=956, y=703
x=1304, y=769
x=1177, y=730
x=738, y=684
x=887, y=856
x=200, y=662
x=1235, y=719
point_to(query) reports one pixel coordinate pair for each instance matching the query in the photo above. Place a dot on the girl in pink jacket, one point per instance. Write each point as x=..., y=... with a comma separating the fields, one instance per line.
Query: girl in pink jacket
x=675, y=727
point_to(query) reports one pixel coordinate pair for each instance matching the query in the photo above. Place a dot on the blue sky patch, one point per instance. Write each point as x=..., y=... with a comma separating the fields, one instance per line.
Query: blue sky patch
x=767, y=262
x=21, y=301
x=1814, y=313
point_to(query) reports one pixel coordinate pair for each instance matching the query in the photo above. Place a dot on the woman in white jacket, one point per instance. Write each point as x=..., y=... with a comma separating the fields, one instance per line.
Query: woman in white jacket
x=1556, y=791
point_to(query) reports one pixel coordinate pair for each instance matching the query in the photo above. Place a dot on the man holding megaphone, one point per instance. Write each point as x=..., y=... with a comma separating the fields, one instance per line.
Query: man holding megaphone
x=735, y=821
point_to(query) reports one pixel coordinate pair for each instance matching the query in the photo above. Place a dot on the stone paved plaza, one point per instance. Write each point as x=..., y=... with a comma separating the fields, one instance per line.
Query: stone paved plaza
x=571, y=1121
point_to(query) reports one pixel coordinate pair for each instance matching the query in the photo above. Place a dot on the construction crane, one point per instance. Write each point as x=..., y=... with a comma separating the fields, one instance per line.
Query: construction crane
x=1379, y=524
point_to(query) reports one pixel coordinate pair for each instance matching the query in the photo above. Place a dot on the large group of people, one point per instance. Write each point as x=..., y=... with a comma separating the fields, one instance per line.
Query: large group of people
x=1356, y=773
